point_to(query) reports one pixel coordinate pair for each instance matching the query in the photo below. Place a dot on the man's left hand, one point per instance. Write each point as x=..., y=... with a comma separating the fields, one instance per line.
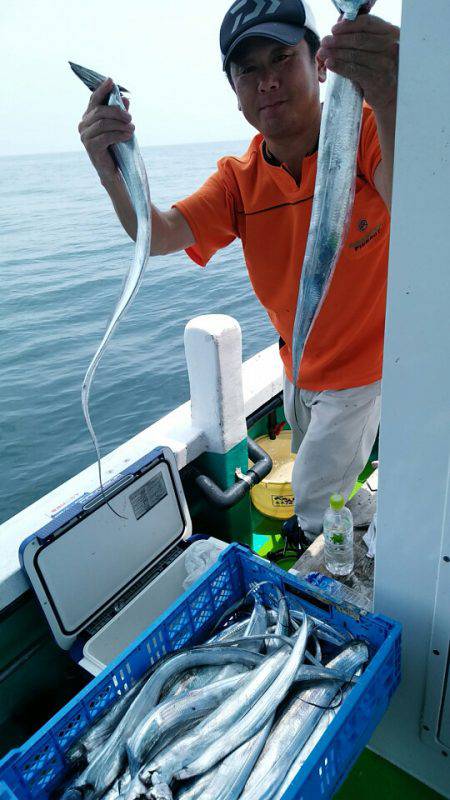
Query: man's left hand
x=366, y=51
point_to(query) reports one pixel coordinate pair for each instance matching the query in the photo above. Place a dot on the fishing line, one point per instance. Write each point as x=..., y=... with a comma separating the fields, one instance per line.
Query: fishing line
x=341, y=691
x=329, y=707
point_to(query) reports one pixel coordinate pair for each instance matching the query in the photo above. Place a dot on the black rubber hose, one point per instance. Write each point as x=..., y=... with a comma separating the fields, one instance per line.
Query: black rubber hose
x=227, y=498
x=262, y=462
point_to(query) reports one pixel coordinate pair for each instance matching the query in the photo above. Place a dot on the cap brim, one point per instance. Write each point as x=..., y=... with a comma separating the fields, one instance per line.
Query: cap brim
x=279, y=31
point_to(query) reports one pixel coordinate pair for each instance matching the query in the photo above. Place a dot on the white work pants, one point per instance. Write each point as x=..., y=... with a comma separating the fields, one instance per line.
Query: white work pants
x=333, y=433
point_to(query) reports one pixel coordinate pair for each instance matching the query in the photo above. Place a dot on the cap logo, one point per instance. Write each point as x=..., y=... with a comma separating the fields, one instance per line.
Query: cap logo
x=260, y=8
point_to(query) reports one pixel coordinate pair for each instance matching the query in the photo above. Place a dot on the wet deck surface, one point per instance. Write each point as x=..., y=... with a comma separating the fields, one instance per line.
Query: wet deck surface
x=359, y=582
x=358, y=586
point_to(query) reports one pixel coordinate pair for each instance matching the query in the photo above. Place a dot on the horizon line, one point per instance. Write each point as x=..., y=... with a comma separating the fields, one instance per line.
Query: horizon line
x=142, y=147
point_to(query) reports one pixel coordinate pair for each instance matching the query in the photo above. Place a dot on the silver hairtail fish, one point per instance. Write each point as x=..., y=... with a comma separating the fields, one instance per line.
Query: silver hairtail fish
x=110, y=758
x=333, y=195
x=261, y=709
x=167, y=762
x=129, y=161
x=296, y=726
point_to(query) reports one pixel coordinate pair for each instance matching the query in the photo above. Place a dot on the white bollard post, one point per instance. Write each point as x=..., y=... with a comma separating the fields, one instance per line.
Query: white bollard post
x=213, y=346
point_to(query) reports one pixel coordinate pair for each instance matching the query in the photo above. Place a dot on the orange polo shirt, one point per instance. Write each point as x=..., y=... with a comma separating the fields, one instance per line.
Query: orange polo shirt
x=260, y=202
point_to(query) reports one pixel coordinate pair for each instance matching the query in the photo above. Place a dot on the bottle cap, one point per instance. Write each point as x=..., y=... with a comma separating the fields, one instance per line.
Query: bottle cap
x=337, y=502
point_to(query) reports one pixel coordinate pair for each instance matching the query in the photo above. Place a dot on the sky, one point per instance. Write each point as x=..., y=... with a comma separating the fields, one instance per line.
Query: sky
x=165, y=52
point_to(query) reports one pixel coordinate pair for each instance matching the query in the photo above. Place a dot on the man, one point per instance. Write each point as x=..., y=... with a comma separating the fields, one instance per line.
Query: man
x=275, y=64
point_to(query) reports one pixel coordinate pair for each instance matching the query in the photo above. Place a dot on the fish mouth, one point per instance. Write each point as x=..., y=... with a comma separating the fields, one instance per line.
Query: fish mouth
x=90, y=78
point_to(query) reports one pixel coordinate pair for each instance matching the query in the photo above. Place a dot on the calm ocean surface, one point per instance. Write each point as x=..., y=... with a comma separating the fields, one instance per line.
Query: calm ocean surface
x=63, y=256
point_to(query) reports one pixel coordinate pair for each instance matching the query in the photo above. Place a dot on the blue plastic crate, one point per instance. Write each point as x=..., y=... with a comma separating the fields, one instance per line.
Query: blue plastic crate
x=36, y=769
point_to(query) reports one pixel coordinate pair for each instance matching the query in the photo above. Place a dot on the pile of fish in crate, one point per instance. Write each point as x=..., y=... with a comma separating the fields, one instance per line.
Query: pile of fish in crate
x=233, y=717
x=252, y=684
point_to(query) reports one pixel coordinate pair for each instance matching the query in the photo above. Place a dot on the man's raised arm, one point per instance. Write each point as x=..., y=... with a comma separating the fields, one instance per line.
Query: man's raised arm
x=102, y=126
x=366, y=51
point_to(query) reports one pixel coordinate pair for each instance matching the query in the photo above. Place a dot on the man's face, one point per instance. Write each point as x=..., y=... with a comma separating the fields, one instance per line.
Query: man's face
x=277, y=86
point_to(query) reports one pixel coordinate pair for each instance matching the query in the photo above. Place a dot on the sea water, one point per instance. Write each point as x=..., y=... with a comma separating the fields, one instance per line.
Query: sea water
x=63, y=257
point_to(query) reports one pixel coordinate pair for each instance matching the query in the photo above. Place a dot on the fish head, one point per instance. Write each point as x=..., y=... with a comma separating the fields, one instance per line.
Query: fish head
x=90, y=78
x=93, y=80
x=352, y=8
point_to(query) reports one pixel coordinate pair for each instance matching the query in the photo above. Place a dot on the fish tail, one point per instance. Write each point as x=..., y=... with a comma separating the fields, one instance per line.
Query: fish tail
x=90, y=78
x=133, y=763
x=85, y=391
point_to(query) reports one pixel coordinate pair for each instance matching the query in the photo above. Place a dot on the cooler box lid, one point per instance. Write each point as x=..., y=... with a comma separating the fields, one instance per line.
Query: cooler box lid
x=81, y=562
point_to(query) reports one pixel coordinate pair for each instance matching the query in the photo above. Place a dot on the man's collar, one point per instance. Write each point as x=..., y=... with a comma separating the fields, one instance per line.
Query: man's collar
x=269, y=157
x=273, y=160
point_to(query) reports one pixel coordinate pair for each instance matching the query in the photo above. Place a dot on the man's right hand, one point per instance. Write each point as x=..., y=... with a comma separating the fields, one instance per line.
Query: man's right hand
x=102, y=126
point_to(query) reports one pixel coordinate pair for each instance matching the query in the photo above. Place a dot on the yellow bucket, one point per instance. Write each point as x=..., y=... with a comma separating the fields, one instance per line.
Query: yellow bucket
x=273, y=496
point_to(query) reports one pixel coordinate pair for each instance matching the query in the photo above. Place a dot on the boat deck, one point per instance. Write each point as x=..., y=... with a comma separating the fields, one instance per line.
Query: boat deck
x=374, y=778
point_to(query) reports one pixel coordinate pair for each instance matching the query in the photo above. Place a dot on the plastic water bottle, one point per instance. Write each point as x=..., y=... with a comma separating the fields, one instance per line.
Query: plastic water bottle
x=338, y=535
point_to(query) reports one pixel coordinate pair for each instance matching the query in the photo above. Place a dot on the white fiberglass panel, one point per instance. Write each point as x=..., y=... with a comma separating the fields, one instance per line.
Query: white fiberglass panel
x=415, y=429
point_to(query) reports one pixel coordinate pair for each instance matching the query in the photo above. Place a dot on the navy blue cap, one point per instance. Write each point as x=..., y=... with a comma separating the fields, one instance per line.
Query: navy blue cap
x=284, y=21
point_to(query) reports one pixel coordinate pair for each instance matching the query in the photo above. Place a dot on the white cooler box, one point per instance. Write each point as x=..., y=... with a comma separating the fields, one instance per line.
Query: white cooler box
x=102, y=578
